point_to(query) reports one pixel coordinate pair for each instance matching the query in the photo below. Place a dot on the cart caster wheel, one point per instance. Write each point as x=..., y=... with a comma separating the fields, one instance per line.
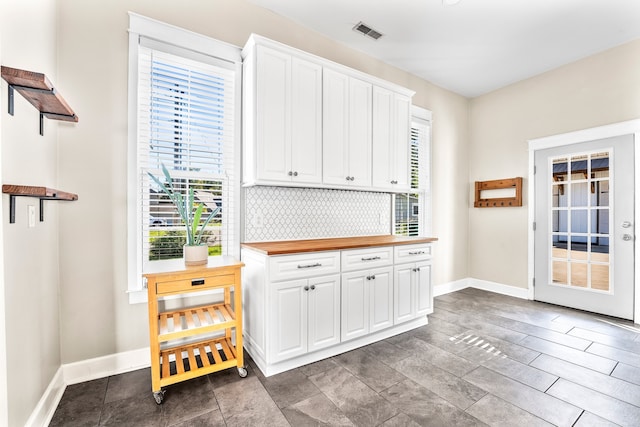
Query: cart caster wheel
x=242, y=372
x=159, y=396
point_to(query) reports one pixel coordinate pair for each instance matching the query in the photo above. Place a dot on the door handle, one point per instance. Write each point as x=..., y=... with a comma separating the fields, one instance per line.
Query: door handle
x=627, y=237
x=626, y=224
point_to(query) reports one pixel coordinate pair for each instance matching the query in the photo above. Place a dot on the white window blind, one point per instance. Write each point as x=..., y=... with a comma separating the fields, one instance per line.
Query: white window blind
x=412, y=210
x=186, y=122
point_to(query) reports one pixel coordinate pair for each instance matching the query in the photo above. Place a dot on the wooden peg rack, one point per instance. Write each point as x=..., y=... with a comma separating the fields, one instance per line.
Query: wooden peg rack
x=499, y=184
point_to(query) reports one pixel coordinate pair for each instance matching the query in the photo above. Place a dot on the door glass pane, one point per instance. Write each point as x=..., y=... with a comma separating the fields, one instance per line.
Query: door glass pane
x=559, y=272
x=580, y=217
x=600, y=277
x=559, y=221
x=579, y=274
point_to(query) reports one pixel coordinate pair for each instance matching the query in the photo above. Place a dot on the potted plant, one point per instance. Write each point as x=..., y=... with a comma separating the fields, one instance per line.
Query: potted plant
x=195, y=251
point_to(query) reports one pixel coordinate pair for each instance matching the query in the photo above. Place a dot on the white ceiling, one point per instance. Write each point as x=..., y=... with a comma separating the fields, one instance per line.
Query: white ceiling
x=476, y=46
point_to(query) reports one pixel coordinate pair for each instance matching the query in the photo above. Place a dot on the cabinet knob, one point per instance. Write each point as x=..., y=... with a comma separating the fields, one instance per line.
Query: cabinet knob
x=373, y=277
x=306, y=288
x=290, y=173
x=313, y=287
x=416, y=269
x=295, y=174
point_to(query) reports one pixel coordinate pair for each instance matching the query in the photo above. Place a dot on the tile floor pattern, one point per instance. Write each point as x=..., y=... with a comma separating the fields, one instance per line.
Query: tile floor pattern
x=484, y=359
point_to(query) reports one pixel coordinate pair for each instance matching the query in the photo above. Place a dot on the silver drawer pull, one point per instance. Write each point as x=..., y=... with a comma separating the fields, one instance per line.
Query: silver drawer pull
x=317, y=264
x=373, y=258
x=417, y=253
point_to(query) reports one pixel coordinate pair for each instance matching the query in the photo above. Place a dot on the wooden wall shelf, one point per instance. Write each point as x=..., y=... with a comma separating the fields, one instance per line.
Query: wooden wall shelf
x=499, y=184
x=41, y=193
x=38, y=90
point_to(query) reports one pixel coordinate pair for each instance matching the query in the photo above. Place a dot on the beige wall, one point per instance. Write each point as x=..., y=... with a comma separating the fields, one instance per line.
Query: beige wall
x=96, y=318
x=31, y=309
x=598, y=90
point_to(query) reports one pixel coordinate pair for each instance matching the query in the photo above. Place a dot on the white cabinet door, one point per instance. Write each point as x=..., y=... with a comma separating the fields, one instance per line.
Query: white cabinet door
x=289, y=315
x=390, y=140
x=335, y=120
x=273, y=115
x=355, y=305
x=403, y=307
x=423, y=288
x=381, y=299
x=289, y=118
x=306, y=122
x=382, y=146
x=324, y=312
x=359, y=147
x=401, y=120
x=346, y=130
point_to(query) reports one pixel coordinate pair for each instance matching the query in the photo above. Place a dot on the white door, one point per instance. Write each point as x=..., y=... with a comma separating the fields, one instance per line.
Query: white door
x=584, y=236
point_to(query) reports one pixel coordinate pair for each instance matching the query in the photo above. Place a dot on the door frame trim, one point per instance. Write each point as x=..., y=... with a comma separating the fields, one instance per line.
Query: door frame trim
x=630, y=127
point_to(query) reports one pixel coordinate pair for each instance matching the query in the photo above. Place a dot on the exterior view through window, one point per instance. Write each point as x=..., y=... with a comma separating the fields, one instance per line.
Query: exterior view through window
x=189, y=126
x=411, y=209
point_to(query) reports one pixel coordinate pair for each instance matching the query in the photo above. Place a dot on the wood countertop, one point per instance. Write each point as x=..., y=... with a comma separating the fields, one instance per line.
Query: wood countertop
x=286, y=247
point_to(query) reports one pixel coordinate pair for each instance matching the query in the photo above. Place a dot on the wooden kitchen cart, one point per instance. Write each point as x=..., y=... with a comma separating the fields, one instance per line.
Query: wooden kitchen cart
x=192, y=341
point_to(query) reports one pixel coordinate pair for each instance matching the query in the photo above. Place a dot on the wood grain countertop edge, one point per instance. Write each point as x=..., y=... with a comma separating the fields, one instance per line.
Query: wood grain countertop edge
x=287, y=247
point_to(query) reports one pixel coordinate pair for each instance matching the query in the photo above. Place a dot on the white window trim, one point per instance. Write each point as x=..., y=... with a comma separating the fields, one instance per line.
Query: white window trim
x=165, y=33
x=421, y=115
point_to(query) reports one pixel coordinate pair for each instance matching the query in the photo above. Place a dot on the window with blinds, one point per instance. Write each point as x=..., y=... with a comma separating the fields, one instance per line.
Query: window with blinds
x=186, y=122
x=412, y=209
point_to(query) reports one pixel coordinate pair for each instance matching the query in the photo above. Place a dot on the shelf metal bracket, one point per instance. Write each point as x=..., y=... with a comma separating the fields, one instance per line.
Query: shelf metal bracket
x=10, y=100
x=12, y=209
x=12, y=88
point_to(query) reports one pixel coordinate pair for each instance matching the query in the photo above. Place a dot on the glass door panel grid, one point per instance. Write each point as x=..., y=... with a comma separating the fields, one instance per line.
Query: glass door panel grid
x=580, y=215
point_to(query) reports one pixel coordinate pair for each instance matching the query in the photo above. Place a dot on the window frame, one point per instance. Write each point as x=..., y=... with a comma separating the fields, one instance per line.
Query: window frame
x=183, y=40
x=423, y=117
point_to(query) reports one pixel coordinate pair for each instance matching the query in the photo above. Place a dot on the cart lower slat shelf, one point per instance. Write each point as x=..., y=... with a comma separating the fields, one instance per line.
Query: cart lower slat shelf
x=186, y=362
x=185, y=322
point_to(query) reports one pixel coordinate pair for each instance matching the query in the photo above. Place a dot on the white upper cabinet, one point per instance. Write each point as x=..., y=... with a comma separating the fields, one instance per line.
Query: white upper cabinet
x=390, y=140
x=309, y=122
x=283, y=119
x=347, y=130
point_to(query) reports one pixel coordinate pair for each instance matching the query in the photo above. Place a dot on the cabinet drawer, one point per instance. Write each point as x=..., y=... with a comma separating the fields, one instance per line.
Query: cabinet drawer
x=409, y=253
x=194, y=284
x=360, y=259
x=298, y=266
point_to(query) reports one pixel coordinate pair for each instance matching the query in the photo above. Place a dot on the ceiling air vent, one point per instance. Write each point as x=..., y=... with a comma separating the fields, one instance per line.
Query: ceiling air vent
x=367, y=30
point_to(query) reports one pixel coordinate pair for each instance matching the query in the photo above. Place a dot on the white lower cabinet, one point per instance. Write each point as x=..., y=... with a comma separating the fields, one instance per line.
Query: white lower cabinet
x=412, y=294
x=367, y=302
x=306, y=316
x=304, y=307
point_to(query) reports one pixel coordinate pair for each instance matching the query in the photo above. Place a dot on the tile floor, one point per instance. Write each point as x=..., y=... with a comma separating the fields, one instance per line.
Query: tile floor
x=484, y=359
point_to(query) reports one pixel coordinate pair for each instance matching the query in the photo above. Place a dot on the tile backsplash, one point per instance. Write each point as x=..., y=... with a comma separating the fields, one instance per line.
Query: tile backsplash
x=283, y=213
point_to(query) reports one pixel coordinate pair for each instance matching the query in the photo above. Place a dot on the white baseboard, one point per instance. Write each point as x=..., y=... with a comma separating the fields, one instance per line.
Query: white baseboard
x=447, y=288
x=43, y=412
x=84, y=370
x=485, y=285
x=100, y=367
